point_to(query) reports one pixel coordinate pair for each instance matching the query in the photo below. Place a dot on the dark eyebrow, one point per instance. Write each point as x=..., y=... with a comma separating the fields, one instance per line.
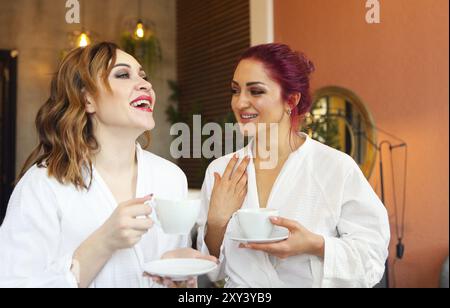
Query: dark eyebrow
x=249, y=84
x=127, y=65
x=255, y=83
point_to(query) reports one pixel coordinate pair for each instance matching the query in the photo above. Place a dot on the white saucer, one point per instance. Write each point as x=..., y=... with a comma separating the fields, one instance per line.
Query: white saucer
x=179, y=269
x=278, y=234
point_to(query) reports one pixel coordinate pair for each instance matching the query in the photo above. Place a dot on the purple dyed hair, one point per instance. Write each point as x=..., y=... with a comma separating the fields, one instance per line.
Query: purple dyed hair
x=290, y=69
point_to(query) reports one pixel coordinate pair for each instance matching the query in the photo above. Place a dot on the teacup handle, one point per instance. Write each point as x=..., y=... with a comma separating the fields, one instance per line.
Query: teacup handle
x=154, y=216
x=236, y=218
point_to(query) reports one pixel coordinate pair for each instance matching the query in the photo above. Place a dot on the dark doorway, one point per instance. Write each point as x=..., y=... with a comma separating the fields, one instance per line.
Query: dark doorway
x=217, y=35
x=8, y=92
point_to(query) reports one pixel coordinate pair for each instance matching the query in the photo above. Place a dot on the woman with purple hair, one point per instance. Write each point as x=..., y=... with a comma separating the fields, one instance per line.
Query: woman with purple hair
x=338, y=228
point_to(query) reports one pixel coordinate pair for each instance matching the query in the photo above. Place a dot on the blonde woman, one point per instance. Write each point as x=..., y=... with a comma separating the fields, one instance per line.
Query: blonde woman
x=77, y=216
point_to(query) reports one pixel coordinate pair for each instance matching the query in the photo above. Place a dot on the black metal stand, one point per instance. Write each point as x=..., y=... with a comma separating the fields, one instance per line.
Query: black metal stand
x=386, y=266
x=379, y=149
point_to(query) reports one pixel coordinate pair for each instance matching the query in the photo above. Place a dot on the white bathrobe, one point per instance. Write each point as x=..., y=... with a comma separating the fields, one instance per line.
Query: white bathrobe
x=325, y=191
x=47, y=221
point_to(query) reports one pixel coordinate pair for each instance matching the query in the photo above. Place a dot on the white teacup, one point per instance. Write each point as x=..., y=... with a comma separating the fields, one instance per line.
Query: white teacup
x=176, y=216
x=255, y=223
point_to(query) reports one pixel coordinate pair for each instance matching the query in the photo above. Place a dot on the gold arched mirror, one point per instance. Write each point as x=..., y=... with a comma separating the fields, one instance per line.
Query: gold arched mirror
x=340, y=119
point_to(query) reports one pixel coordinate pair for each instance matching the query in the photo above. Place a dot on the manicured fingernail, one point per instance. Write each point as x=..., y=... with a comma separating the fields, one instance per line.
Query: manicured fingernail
x=274, y=218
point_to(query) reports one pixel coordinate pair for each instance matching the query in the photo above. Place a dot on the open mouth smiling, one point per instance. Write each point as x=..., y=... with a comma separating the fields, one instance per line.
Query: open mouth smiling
x=143, y=103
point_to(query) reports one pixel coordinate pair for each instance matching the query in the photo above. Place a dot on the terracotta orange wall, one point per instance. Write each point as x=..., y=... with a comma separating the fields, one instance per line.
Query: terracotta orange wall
x=400, y=69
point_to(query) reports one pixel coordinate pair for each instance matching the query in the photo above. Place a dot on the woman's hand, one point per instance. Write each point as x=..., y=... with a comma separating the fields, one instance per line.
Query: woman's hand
x=227, y=197
x=126, y=226
x=300, y=241
x=122, y=230
x=187, y=253
x=184, y=253
x=228, y=193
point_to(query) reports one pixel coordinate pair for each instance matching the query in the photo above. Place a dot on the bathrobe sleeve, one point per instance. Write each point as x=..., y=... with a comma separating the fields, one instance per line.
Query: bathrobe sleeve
x=30, y=238
x=357, y=257
x=207, y=187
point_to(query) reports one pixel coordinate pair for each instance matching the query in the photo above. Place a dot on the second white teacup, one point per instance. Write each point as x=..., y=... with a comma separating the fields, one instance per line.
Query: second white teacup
x=255, y=223
x=177, y=216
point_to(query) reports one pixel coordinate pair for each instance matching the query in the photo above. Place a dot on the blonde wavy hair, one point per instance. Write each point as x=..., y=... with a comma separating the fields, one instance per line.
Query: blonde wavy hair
x=66, y=139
